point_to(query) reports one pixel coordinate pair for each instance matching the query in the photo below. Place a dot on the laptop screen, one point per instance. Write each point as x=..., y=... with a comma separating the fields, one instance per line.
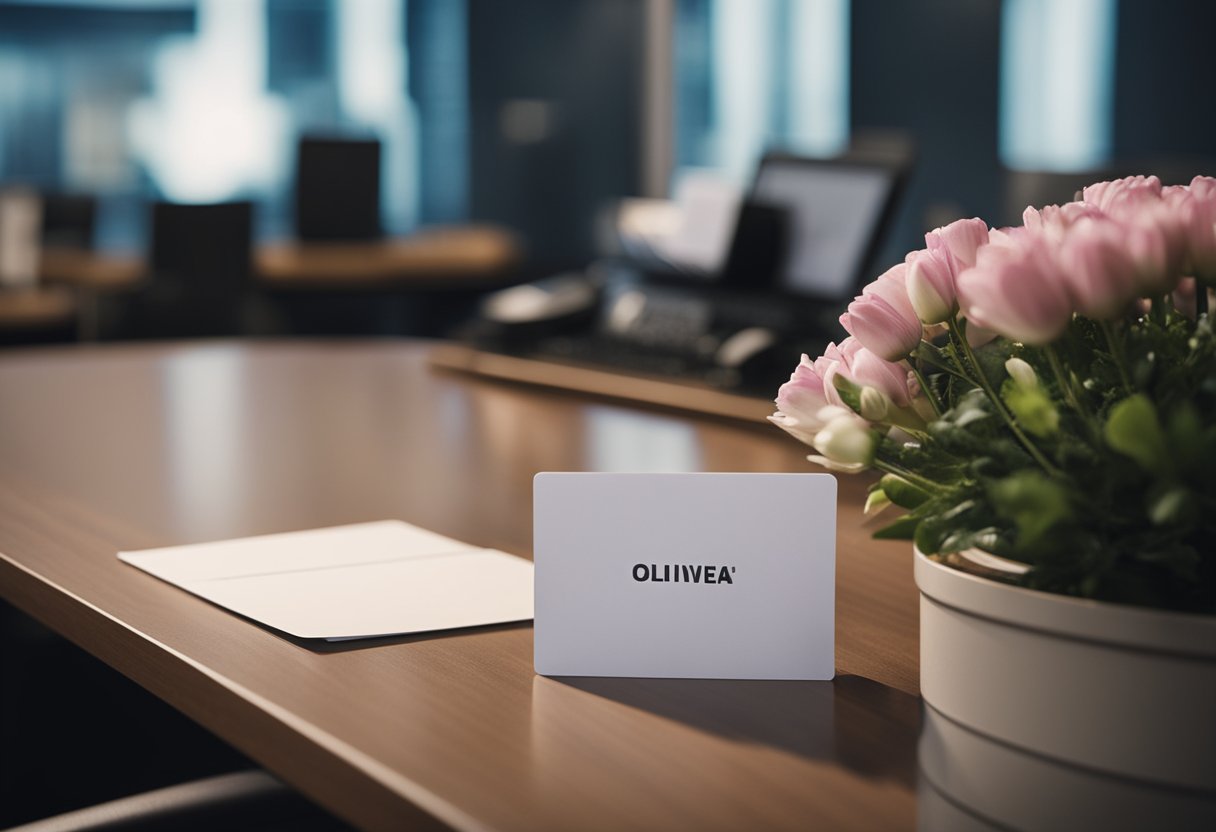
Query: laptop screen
x=835, y=210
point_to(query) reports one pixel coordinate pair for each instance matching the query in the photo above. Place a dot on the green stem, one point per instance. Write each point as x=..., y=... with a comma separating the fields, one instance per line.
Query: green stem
x=960, y=338
x=945, y=368
x=903, y=473
x=1116, y=352
x=929, y=393
x=1070, y=393
x=1065, y=383
x=1158, y=310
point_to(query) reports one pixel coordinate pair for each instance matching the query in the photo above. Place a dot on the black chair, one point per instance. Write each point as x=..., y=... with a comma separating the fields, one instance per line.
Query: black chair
x=240, y=800
x=338, y=189
x=69, y=220
x=200, y=264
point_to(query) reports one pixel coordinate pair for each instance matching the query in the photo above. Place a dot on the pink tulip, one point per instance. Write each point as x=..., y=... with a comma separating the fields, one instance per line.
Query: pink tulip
x=1009, y=236
x=1054, y=220
x=1185, y=296
x=1203, y=187
x=1152, y=257
x=801, y=398
x=1017, y=291
x=1106, y=195
x=958, y=242
x=930, y=286
x=977, y=335
x=1156, y=242
x=892, y=379
x=882, y=317
x=1197, y=221
x=891, y=286
x=1039, y=219
x=1098, y=272
x=864, y=368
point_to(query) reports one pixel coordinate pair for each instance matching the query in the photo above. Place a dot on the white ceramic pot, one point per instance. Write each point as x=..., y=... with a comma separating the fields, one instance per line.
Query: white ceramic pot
x=969, y=783
x=1114, y=689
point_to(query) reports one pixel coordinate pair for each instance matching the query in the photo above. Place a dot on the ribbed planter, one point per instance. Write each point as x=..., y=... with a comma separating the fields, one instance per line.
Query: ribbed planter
x=1116, y=690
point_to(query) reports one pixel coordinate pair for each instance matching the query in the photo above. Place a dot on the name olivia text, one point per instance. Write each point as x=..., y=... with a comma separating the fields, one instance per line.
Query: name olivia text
x=683, y=573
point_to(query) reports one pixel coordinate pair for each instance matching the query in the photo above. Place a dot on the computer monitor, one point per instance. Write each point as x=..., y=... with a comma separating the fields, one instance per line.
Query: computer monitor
x=835, y=210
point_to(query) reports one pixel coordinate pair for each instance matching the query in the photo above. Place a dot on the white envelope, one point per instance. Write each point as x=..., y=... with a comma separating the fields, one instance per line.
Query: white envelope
x=722, y=576
x=357, y=581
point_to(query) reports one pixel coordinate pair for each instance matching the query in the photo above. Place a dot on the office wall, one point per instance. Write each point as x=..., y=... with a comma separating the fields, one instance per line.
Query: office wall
x=1165, y=79
x=555, y=117
x=930, y=69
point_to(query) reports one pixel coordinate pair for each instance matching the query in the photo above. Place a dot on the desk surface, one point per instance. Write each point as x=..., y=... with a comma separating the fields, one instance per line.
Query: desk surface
x=36, y=306
x=125, y=447
x=441, y=256
x=437, y=256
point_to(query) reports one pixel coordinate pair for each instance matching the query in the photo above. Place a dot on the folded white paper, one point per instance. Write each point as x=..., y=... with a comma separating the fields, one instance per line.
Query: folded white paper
x=358, y=581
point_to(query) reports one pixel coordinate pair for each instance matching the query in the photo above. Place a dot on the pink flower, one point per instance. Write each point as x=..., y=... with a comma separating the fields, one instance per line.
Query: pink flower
x=882, y=317
x=1203, y=187
x=891, y=286
x=1098, y=272
x=1152, y=257
x=801, y=398
x=862, y=367
x=1106, y=196
x=958, y=242
x=1017, y=290
x=1197, y=221
x=1054, y=220
x=930, y=286
x=977, y=335
x=1157, y=244
x=1185, y=297
x=1008, y=236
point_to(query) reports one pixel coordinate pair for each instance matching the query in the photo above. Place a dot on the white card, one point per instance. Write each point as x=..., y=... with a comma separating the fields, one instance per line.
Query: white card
x=712, y=576
x=358, y=581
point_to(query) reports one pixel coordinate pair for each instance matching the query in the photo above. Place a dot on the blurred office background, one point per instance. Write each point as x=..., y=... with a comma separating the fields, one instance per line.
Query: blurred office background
x=521, y=125
x=534, y=114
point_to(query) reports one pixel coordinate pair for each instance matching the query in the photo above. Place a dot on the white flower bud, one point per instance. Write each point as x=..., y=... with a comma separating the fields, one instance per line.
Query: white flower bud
x=852, y=468
x=875, y=404
x=847, y=440
x=1023, y=374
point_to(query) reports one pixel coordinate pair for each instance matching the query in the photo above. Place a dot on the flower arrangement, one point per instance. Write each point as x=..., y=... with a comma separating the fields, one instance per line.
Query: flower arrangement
x=1040, y=399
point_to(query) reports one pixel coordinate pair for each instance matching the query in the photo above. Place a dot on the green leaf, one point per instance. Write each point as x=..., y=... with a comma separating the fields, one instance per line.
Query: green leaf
x=1180, y=559
x=876, y=501
x=930, y=534
x=1174, y=506
x=1032, y=501
x=1134, y=430
x=901, y=492
x=1032, y=407
x=849, y=392
x=1185, y=435
x=902, y=529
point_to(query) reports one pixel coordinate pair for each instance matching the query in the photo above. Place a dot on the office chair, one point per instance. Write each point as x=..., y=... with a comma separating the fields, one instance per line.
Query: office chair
x=240, y=800
x=200, y=262
x=68, y=220
x=337, y=189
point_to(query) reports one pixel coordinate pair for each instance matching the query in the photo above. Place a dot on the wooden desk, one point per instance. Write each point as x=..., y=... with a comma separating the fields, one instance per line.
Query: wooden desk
x=103, y=449
x=90, y=270
x=35, y=308
x=431, y=257
x=434, y=257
